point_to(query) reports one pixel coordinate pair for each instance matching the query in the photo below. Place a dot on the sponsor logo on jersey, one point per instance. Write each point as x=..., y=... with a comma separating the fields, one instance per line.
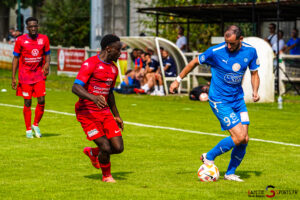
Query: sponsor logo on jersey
x=236, y=67
x=93, y=132
x=34, y=52
x=109, y=81
x=40, y=41
x=232, y=78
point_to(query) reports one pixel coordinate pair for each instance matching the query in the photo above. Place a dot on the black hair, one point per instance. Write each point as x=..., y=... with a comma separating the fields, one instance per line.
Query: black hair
x=128, y=71
x=235, y=30
x=182, y=29
x=274, y=25
x=108, y=39
x=147, y=54
x=29, y=19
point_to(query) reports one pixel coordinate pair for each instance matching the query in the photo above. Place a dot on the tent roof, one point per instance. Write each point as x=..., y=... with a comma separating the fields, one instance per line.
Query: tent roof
x=231, y=12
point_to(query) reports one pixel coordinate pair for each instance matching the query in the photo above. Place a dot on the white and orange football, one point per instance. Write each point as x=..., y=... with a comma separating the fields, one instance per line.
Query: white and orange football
x=208, y=173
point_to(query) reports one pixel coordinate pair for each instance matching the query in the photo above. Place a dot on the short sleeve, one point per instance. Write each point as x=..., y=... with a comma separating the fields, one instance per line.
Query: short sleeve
x=254, y=63
x=85, y=71
x=289, y=43
x=47, y=46
x=206, y=57
x=18, y=48
x=114, y=81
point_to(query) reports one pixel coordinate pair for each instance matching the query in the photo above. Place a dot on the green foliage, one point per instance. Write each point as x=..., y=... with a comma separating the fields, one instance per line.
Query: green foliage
x=200, y=34
x=66, y=23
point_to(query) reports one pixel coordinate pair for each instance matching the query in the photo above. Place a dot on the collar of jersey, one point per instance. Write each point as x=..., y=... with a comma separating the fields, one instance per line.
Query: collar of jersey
x=102, y=60
x=27, y=35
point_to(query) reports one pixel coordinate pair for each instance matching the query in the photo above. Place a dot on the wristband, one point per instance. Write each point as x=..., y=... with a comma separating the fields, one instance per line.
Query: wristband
x=178, y=79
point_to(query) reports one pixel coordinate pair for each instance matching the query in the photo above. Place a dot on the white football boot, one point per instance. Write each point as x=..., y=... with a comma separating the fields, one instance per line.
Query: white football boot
x=233, y=177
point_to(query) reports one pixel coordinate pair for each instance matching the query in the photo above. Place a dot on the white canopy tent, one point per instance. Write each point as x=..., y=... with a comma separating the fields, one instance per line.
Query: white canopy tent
x=155, y=43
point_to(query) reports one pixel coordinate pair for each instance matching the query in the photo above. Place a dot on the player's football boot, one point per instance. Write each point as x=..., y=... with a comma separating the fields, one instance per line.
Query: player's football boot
x=154, y=93
x=94, y=159
x=233, y=177
x=205, y=161
x=108, y=179
x=37, y=131
x=29, y=134
x=139, y=91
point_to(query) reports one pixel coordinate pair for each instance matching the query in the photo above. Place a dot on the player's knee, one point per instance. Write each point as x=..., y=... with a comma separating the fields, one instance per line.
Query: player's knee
x=27, y=102
x=119, y=149
x=41, y=100
x=105, y=149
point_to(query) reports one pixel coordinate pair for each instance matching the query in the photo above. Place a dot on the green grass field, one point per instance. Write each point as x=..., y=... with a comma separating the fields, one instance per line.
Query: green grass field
x=156, y=164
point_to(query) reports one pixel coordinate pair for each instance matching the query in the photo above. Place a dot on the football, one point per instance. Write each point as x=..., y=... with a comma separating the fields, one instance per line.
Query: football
x=208, y=173
x=203, y=96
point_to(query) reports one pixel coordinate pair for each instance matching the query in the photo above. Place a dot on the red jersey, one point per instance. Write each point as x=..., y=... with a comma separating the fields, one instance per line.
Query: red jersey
x=32, y=57
x=98, y=78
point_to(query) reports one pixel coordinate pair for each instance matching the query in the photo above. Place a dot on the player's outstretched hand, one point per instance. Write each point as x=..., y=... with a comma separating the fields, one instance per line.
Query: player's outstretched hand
x=255, y=97
x=46, y=71
x=14, y=84
x=119, y=122
x=99, y=100
x=174, y=86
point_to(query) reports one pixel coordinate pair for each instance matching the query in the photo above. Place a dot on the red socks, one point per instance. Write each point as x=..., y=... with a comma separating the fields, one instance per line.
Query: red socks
x=95, y=151
x=105, y=169
x=39, y=111
x=27, y=117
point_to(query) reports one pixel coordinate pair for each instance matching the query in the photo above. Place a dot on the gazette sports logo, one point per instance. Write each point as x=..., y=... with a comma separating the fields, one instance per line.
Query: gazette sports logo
x=270, y=192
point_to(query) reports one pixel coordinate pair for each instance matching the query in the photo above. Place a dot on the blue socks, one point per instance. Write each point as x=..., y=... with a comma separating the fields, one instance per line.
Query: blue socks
x=223, y=146
x=237, y=156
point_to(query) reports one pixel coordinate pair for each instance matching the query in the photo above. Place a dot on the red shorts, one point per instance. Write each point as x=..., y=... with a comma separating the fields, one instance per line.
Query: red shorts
x=98, y=124
x=27, y=91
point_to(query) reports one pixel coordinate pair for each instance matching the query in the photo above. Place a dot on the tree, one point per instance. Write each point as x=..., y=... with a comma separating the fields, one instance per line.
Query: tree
x=66, y=22
x=200, y=34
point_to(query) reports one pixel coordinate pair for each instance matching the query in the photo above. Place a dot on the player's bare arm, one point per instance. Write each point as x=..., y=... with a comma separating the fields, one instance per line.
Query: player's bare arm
x=189, y=67
x=47, y=64
x=112, y=104
x=255, y=85
x=99, y=100
x=14, y=71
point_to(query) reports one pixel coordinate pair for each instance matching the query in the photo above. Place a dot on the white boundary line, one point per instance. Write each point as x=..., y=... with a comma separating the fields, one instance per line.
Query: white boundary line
x=164, y=127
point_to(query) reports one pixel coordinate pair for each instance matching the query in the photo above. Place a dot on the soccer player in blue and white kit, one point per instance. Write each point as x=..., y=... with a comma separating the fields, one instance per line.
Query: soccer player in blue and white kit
x=229, y=61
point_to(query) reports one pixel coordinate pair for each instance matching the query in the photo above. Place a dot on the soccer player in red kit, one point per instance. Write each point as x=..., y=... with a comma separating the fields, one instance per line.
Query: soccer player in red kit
x=96, y=109
x=32, y=57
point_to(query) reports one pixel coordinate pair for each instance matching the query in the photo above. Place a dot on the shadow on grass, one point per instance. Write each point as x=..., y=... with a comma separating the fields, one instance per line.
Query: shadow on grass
x=116, y=175
x=50, y=134
x=244, y=174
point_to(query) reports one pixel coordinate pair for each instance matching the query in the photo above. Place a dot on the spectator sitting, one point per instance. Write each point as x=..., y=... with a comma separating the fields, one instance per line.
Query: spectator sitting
x=281, y=42
x=17, y=34
x=138, y=62
x=293, y=45
x=272, y=38
x=169, y=65
x=10, y=37
x=181, y=42
x=151, y=71
x=129, y=83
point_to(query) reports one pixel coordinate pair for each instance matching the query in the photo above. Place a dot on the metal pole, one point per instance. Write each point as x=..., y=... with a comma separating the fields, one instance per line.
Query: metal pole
x=157, y=23
x=188, y=35
x=19, y=15
x=128, y=18
x=277, y=53
x=253, y=18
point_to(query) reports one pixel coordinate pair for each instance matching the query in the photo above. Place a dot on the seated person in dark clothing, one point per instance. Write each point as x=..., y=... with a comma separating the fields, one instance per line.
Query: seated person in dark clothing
x=169, y=65
x=129, y=83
